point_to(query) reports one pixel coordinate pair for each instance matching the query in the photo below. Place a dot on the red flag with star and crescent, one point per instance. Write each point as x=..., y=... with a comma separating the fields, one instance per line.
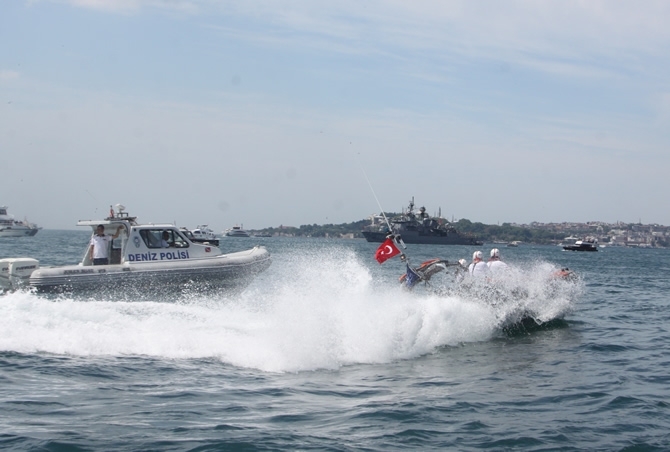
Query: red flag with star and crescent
x=386, y=251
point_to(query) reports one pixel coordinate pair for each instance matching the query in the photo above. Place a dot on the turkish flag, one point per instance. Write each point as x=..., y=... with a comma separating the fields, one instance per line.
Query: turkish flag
x=386, y=251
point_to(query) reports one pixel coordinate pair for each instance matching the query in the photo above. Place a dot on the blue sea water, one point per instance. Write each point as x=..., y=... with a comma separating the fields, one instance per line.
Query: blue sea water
x=325, y=351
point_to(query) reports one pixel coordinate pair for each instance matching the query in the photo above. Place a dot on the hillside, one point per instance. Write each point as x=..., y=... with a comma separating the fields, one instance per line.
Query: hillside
x=625, y=234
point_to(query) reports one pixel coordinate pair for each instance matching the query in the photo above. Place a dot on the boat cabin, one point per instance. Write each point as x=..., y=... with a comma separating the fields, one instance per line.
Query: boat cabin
x=139, y=243
x=5, y=218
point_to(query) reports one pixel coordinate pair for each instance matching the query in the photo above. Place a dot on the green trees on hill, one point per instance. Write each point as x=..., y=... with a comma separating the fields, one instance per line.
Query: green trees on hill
x=315, y=230
x=508, y=233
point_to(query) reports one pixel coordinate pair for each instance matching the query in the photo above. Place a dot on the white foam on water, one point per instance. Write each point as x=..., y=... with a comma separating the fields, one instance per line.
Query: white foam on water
x=532, y=291
x=315, y=310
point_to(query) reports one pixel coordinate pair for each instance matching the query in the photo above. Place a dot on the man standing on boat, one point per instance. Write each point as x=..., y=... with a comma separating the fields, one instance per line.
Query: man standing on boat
x=478, y=267
x=98, y=250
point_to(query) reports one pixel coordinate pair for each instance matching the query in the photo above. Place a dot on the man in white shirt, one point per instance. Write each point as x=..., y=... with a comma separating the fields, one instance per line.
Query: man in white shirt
x=99, y=241
x=478, y=267
x=494, y=263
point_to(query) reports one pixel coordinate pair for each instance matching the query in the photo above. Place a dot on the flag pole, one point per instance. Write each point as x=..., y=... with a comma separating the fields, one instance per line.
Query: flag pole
x=375, y=195
x=395, y=237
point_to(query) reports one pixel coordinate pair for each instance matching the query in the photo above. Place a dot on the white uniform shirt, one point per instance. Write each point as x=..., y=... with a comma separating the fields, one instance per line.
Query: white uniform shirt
x=497, y=266
x=100, y=246
x=478, y=269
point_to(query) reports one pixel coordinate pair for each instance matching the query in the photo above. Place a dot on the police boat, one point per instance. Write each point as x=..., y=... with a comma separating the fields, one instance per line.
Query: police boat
x=144, y=261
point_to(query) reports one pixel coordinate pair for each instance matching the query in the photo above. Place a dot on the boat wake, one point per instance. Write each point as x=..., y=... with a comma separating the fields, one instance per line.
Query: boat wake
x=523, y=299
x=312, y=310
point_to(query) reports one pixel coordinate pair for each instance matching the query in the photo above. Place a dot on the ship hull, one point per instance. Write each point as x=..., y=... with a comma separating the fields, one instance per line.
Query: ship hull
x=580, y=248
x=414, y=237
x=18, y=232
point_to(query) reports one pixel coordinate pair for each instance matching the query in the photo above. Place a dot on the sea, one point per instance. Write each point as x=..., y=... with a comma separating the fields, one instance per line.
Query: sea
x=326, y=350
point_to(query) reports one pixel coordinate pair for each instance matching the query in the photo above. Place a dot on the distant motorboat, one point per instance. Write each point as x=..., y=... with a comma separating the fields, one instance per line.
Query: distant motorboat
x=9, y=227
x=201, y=234
x=236, y=231
x=515, y=243
x=588, y=244
x=567, y=241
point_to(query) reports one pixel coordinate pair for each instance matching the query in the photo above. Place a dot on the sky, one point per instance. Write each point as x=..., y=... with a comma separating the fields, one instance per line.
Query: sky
x=293, y=112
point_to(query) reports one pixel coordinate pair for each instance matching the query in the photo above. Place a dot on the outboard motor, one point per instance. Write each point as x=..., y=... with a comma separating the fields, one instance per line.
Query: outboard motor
x=15, y=272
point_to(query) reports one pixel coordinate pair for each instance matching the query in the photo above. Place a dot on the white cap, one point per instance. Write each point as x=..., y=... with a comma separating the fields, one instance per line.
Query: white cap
x=477, y=255
x=463, y=262
x=495, y=252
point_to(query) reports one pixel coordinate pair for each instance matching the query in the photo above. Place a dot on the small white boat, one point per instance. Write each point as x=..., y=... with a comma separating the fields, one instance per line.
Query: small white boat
x=202, y=231
x=142, y=263
x=202, y=234
x=236, y=231
x=9, y=227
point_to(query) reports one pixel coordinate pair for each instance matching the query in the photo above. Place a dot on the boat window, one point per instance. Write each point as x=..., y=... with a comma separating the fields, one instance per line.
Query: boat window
x=153, y=238
x=178, y=240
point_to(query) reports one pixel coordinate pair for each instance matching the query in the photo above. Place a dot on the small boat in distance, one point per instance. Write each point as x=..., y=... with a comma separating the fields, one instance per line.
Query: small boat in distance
x=236, y=231
x=588, y=244
x=198, y=236
x=203, y=234
x=9, y=227
x=571, y=240
x=146, y=261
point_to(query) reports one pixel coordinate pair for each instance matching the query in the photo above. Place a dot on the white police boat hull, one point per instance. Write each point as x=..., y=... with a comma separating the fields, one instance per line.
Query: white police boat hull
x=226, y=271
x=141, y=267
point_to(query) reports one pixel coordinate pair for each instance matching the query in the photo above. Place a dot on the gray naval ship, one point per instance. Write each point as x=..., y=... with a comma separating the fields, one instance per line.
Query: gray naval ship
x=418, y=228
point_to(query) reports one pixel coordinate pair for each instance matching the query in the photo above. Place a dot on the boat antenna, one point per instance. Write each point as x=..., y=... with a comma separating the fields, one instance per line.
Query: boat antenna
x=395, y=236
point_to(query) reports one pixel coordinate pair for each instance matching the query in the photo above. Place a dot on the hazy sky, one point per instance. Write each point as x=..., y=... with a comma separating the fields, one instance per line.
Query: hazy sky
x=264, y=113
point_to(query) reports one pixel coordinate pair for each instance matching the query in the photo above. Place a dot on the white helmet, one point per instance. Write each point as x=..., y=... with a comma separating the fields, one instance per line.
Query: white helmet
x=463, y=262
x=495, y=252
x=477, y=255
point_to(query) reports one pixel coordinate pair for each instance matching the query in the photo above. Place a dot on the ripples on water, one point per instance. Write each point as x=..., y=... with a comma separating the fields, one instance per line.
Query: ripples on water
x=325, y=351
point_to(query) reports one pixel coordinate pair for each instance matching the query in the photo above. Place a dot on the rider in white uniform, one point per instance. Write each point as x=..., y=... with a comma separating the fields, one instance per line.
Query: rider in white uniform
x=478, y=267
x=494, y=263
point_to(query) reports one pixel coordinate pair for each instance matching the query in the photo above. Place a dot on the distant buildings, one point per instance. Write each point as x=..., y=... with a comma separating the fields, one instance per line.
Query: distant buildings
x=617, y=234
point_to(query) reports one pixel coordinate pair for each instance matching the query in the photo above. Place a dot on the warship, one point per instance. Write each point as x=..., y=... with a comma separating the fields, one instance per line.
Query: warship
x=417, y=228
